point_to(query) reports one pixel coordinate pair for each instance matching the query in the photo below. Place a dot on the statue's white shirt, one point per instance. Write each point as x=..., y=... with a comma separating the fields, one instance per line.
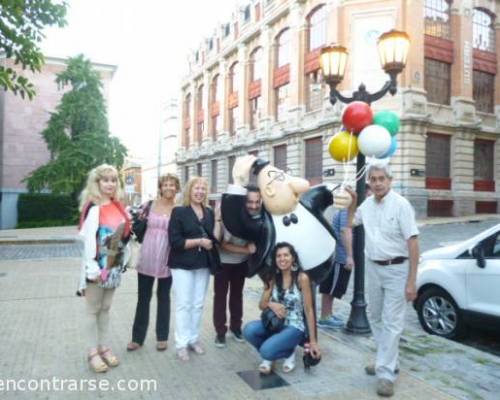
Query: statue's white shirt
x=312, y=241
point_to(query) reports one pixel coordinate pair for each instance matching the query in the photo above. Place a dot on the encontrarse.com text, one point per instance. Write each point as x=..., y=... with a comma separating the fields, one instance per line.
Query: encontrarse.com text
x=55, y=384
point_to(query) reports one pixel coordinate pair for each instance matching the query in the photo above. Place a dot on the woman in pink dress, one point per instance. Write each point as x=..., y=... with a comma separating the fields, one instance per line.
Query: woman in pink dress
x=153, y=265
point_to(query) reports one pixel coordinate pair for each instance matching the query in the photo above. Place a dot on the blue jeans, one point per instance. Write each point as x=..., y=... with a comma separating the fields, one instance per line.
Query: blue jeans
x=272, y=346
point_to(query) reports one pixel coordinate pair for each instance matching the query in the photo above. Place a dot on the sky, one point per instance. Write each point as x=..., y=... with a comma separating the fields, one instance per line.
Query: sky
x=149, y=42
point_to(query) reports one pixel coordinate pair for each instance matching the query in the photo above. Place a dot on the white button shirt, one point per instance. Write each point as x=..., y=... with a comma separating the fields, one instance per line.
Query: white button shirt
x=388, y=225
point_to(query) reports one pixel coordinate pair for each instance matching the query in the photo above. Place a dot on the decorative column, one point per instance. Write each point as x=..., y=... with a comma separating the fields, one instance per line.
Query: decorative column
x=462, y=173
x=207, y=115
x=461, y=70
x=298, y=31
x=266, y=80
x=222, y=135
x=193, y=116
x=244, y=124
x=497, y=76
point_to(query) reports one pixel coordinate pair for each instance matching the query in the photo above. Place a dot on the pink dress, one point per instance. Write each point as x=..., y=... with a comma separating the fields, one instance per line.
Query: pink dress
x=155, y=247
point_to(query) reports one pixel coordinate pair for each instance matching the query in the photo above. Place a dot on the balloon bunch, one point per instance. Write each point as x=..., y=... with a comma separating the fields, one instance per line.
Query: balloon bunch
x=374, y=135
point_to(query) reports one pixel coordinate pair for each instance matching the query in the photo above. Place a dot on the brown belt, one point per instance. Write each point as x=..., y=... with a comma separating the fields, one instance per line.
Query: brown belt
x=397, y=260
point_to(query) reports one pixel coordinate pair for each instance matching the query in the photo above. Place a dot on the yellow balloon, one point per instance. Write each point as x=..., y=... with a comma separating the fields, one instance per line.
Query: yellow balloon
x=343, y=146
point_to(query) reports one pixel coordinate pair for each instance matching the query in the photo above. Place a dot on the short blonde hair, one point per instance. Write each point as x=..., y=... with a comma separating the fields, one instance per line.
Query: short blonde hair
x=169, y=177
x=91, y=193
x=186, y=201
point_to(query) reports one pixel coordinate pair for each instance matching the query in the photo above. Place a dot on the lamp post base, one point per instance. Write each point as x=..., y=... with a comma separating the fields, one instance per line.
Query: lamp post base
x=358, y=322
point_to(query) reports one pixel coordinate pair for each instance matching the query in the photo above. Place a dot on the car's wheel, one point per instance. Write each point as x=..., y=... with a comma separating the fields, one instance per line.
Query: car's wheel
x=439, y=314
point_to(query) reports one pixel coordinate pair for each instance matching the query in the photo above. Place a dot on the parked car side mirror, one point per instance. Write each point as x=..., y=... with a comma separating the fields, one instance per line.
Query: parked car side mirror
x=478, y=254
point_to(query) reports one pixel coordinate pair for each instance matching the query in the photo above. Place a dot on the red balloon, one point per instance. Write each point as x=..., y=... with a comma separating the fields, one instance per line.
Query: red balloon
x=357, y=116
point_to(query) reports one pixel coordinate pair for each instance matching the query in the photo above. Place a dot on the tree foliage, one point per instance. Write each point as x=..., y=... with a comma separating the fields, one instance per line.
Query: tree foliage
x=77, y=134
x=21, y=31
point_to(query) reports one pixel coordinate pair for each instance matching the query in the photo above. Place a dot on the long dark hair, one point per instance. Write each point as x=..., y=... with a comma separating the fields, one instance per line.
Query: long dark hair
x=274, y=273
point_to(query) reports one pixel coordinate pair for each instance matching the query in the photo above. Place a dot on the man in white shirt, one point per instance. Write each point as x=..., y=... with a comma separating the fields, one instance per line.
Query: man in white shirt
x=391, y=259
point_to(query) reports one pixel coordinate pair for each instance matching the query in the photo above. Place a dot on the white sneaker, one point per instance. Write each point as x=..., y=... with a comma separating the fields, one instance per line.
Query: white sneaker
x=289, y=363
x=265, y=367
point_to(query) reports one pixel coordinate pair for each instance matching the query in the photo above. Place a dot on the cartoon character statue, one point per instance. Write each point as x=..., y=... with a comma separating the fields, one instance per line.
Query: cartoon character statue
x=292, y=212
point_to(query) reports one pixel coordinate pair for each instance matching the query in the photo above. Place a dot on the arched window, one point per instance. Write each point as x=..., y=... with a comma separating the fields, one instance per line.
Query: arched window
x=214, y=106
x=234, y=77
x=234, y=85
x=317, y=28
x=199, y=117
x=256, y=65
x=283, y=51
x=437, y=18
x=483, y=30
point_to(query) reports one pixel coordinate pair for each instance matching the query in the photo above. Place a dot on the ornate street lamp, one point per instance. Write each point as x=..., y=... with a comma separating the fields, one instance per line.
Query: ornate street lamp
x=393, y=49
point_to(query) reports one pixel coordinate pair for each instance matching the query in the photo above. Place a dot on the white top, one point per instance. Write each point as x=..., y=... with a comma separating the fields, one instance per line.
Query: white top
x=90, y=268
x=228, y=257
x=388, y=225
x=312, y=241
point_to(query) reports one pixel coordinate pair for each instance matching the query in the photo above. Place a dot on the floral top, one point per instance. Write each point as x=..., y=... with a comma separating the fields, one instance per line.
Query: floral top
x=155, y=247
x=99, y=223
x=292, y=300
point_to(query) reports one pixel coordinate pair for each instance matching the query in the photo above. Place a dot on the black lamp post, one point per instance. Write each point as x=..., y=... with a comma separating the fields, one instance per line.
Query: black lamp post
x=393, y=50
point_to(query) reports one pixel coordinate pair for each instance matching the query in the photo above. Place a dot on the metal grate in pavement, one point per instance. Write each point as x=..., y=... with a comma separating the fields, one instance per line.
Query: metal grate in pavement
x=258, y=381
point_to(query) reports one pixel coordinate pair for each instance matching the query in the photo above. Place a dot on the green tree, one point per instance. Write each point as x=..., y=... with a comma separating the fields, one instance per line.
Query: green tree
x=21, y=31
x=77, y=134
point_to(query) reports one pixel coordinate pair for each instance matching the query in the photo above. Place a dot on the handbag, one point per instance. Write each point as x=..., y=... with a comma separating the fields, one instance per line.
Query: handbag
x=214, y=264
x=140, y=222
x=271, y=321
x=135, y=252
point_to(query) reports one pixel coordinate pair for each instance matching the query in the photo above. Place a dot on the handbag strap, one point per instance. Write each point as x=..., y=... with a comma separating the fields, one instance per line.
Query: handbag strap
x=145, y=213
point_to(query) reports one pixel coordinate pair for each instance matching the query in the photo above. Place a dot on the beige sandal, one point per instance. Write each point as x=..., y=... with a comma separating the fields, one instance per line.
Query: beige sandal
x=108, y=357
x=265, y=367
x=96, y=362
x=162, y=345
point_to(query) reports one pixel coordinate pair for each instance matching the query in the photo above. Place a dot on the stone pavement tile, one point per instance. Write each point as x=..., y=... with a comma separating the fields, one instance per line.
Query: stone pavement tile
x=42, y=337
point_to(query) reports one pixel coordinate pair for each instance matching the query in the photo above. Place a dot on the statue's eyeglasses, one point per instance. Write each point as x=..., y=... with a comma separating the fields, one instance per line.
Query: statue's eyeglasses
x=275, y=175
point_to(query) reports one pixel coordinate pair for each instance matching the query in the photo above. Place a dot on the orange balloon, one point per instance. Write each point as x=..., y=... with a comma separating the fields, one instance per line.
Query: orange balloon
x=343, y=146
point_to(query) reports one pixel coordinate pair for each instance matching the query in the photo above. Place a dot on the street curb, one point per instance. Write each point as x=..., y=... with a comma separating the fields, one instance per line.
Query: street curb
x=37, y=241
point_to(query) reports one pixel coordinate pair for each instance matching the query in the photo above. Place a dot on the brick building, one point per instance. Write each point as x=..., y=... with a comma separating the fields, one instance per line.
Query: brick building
x=22, y=148
x=255, y=86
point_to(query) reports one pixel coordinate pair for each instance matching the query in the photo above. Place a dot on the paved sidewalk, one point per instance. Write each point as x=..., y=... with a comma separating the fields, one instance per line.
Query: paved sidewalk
x=41, y=338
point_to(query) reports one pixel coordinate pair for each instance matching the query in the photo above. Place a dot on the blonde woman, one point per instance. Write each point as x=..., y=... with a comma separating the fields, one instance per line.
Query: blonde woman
x=153, y=265
x=105, y=227
x=193, y=231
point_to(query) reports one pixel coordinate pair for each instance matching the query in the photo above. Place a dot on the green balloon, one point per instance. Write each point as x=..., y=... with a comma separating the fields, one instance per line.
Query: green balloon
x=389, y=120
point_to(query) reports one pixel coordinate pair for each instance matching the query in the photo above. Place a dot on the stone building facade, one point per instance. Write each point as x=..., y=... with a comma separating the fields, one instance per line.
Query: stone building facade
x=22, y=148
x=255, y=86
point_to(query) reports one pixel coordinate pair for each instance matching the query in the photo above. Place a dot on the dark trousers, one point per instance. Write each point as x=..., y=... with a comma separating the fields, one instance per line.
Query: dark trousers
x=141, y=321
x=231, y=278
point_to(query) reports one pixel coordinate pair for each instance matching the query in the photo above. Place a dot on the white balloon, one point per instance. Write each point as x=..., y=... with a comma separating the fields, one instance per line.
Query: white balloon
x=374, y=141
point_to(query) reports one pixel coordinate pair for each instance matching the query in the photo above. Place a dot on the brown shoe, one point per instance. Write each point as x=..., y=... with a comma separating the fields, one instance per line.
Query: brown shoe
x=133, y=346
x=370, y=370
x=385, y=388
x=162, y=345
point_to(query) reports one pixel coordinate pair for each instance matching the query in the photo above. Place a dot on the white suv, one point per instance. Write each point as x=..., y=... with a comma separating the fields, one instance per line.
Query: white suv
x=459, y=285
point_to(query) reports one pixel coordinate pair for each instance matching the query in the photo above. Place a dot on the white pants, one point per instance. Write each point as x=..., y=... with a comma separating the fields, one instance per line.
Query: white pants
x=98, y=302
x=387, y=306
x=190, y=288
